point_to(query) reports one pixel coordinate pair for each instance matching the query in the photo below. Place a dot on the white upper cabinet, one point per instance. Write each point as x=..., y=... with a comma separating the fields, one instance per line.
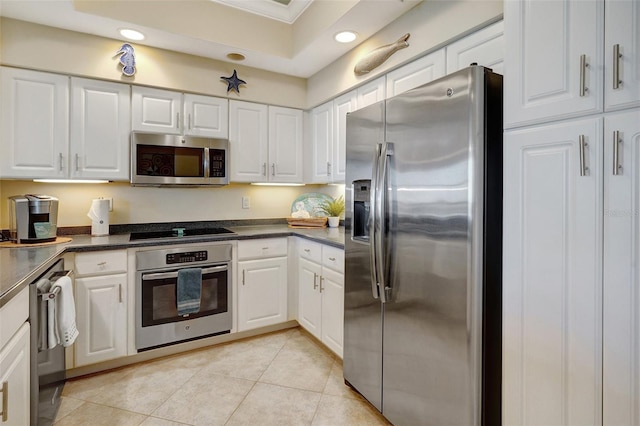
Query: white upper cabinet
x=156, y=110
x=206, y=116
x=416, y=73
x=621, y=54
x=265, y=142
x=371, y=92
x=248, y=140
x=165, y=111
x=100, y=127
x=484, y=47
x=45, y=135
x=285, y=144
x=554, y=68
x=341, y=106
x=321, y=144
x=35, y=124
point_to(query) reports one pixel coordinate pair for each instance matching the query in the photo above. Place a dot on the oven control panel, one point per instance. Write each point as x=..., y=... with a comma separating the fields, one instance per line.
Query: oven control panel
x=186, y=257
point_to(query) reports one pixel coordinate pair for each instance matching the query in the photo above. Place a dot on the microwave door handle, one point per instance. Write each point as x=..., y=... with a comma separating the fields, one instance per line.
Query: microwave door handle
x=163, y=275
x=206, y=161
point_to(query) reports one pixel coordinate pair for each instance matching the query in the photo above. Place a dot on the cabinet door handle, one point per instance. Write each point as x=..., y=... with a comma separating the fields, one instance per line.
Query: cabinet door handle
x=616, y=153
x=264, y=169
x=77, y=162
x=328, y=168
x=307, y=250
x=583, y=75
x=120, y=293
x=189, y=121
x=61, y=162
x=5, y=401
x=321, y=279
x=333, y=259
x=273, y=169
x=102, y=263
x=616, y=66
x=177, y=120
x=315, y=279
x=243, y=277
x=583, y=147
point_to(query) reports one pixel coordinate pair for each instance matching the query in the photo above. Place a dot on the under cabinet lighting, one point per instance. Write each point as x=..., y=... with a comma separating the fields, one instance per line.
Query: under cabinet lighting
x=276, y=184
x=70, y=181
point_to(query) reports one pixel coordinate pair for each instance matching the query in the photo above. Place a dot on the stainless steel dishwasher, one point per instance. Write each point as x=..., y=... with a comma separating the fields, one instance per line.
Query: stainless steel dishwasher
x=47, y=364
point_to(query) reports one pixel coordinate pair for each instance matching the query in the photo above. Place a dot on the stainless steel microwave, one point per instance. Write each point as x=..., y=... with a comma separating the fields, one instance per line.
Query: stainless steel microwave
x=174, y=160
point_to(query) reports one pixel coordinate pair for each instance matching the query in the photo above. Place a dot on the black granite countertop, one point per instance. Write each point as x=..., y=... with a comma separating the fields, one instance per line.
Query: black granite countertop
x=22, y=265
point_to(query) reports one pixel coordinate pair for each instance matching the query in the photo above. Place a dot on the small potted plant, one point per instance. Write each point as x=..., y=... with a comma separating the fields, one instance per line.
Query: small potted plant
x=334, y=209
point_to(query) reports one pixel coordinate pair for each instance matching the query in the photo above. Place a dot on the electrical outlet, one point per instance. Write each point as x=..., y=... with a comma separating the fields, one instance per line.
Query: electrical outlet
x=246, y=202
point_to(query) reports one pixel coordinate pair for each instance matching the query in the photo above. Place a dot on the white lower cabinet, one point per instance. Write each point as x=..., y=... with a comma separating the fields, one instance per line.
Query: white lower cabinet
x=101, y=306
x=262, y=282
x=14, y=379
x=621, y=327
x=321, y=292
x=552, y=276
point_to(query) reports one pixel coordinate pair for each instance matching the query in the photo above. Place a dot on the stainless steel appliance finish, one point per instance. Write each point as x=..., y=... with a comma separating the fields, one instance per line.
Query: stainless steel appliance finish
x=423, y=260
x=174, y=160
x=47, y=365
x=157, y=320
x=33, y=218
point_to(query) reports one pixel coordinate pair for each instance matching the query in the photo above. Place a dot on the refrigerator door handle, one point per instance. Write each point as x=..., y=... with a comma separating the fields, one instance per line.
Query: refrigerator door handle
x=381, y=204
x=372, y=222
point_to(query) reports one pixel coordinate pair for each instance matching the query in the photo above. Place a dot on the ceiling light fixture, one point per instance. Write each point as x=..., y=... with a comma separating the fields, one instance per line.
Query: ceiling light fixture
x=236, y=56
x=345, y=36
x=131, y=34
x=70, y=181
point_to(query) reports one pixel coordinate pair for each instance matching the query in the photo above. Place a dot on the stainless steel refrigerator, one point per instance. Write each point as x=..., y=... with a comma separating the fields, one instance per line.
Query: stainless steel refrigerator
x=423, y=252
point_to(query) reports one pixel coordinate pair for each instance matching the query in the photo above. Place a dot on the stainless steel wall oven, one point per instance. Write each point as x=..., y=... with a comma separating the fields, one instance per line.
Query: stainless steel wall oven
x=158, y=322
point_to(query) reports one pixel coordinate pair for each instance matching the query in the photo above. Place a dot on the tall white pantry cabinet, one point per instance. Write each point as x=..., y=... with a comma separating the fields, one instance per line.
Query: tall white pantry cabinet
x=571, y=284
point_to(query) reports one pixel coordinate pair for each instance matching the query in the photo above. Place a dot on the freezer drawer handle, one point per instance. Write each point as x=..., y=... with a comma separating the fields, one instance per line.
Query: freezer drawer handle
x=5, y=401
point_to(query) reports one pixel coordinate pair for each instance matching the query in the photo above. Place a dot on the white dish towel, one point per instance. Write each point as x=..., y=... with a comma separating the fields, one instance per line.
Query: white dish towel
x=65, y=315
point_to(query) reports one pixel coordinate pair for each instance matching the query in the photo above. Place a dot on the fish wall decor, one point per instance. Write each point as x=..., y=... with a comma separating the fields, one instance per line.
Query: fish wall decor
x=377, y=56
x=127, y=59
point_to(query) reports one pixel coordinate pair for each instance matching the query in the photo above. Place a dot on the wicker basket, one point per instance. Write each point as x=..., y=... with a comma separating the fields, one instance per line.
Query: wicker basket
x=310, y=222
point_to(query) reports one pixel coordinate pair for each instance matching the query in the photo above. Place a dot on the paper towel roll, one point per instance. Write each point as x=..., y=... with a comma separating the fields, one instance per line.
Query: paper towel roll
x=99, y=215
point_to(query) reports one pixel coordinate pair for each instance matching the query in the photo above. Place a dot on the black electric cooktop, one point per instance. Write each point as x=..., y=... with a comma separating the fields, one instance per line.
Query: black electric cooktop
x=178, y=233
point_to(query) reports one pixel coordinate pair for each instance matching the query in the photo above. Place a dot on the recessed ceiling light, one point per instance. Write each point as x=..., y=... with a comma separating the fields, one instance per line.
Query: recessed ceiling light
x=345, y=36
x=236, y=56
x=131, y=34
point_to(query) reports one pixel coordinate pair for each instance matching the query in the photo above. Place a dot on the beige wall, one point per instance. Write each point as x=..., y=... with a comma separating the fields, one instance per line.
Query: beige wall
x=153, y=205
x=50, y=49
x=432, y=24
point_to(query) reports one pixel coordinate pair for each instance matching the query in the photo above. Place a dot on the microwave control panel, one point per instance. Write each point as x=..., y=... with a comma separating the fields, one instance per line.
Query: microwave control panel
x=186, y=257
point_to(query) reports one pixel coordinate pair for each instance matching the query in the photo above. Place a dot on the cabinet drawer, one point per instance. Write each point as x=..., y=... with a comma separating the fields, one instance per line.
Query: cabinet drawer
x=13, y=315
x=101, y=262
x=310, y=250
x=263, y=248
x=333, y=258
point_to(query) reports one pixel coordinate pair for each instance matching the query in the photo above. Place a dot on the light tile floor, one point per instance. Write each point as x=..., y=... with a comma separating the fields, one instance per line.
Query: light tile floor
x=282, y=378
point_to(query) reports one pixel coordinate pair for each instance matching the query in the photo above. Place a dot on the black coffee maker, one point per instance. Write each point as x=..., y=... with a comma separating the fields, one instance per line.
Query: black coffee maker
x=33, y=218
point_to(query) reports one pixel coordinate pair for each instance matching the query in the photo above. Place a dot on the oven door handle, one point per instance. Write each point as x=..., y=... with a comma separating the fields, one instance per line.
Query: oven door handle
x=163, y=275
